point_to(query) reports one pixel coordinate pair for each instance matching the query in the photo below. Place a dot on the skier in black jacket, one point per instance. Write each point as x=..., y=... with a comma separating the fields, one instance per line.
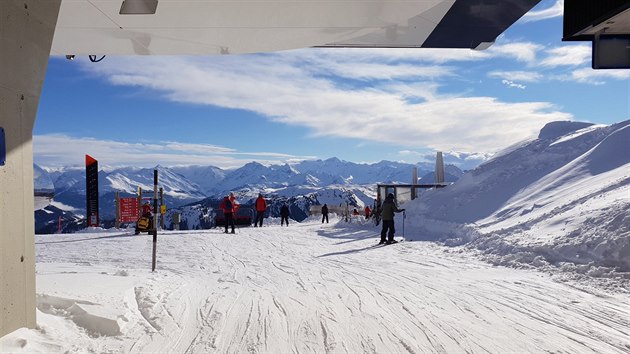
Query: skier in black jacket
x=388, y=209
x=325, y=213
x=284, y=215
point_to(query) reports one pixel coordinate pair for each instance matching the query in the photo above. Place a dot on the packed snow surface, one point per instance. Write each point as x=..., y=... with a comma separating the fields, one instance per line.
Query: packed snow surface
x=306, y=288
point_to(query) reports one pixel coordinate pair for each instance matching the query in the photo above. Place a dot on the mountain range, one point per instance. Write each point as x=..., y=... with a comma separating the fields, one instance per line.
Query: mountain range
x=204, y=186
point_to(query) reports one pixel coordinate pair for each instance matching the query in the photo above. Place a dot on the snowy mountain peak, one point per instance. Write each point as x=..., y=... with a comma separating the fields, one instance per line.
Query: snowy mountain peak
x=253, y=165
x=42, y=180
x=288, y=169
x=557, y=129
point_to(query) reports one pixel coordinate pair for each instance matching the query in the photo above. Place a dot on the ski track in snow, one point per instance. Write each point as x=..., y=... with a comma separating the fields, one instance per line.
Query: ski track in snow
x=313, y=288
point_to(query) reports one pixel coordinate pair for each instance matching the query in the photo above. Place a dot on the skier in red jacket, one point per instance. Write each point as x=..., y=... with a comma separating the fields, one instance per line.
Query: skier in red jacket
x=261, y=206
x=147, y=211
x=228, y=213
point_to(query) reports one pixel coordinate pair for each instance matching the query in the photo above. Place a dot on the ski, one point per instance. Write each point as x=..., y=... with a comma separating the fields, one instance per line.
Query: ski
x=387, y=244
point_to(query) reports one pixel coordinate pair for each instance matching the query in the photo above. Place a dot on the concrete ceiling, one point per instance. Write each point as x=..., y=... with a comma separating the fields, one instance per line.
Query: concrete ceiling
x=94, y=27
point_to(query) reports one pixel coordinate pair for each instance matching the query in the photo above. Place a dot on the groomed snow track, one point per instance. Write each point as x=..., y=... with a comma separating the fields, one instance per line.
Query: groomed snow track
x=309, y=288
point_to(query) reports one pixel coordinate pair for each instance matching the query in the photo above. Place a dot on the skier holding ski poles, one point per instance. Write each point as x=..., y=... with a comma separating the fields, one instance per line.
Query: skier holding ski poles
x=388, y=209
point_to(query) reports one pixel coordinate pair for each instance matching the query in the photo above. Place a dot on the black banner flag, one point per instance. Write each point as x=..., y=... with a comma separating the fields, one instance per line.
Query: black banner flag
x=91, y=190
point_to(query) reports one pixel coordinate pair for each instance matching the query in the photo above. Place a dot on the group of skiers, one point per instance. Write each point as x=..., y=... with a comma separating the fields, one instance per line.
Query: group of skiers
x=386, y=211
x=355, y=212
x=230, y=207
x=367, y=212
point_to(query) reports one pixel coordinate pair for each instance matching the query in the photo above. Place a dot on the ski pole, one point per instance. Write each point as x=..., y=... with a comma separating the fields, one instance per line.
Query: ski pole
x=404, y=217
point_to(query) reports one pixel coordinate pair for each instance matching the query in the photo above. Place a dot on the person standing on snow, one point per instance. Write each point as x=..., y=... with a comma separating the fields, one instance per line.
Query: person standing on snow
x=284, y=214
x=376, y=211
x=367, y=212
x=228, y=213
x=261, y=206
x=388, y=209
x=325, y=213
x=147, y=210
x=235, y=204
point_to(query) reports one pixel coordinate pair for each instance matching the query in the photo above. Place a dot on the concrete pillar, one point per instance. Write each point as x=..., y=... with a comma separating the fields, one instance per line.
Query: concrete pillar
x=26, y=33
x=414, y=181
x=439, y=168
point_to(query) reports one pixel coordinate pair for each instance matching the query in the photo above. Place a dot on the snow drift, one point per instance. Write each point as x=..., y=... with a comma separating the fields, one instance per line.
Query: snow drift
x=562, y=200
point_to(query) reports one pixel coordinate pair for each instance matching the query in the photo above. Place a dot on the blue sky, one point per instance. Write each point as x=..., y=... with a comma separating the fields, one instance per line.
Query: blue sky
x=360, y=105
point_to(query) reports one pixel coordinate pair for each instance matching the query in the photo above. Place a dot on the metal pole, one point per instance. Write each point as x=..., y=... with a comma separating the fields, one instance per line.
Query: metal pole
x=139, y=201
x=117, y=211
x=155, y=206
x=404, y=217
x=161, y=203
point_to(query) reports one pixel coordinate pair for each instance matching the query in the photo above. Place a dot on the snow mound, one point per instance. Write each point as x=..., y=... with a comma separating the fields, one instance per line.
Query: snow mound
x=613, y=152
x=82, y=313
x=558, y=203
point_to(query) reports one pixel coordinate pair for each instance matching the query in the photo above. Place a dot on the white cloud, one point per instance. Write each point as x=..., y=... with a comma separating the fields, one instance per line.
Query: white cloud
x=598, y=77
x=290, y=92
x=577, y=55
x=555, y=10
x=570, y=55
x=526, y=76
x=386, y=55
x=512, y=84
x=64, y=150
x=378, y=71
x=410, y=153
x=521, y=51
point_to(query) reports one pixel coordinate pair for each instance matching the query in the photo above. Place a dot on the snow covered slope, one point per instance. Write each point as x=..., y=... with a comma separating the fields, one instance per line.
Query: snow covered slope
x=306, y=288
x=561, y=200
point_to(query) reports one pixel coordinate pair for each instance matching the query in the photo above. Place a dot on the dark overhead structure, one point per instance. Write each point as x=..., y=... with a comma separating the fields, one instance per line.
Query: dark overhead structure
x=476, y=24
x=605, y=23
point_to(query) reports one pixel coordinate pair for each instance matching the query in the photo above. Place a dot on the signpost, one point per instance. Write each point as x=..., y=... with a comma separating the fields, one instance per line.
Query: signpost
x=129, y=209
x=155, y=208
